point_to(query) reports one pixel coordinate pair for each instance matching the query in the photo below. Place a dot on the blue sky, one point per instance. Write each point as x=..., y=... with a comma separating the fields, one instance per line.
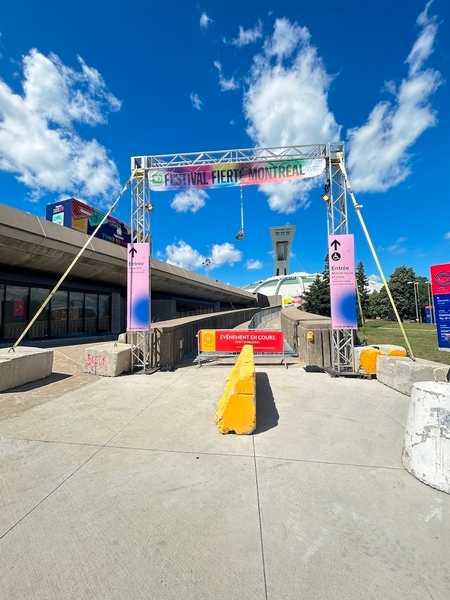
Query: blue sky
x=84, y=86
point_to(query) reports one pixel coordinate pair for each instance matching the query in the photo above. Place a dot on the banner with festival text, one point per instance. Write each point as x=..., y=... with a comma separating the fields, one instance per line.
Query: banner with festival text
x=233, y=174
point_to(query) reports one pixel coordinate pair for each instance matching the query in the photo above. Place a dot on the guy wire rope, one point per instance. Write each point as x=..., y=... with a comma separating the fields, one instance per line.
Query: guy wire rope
x=70, y=267
x=374, y=254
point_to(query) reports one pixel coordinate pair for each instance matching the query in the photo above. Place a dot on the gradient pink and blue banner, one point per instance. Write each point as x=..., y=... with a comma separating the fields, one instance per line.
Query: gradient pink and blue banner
x=232, y=174
x=341, y=253
x=138, y=287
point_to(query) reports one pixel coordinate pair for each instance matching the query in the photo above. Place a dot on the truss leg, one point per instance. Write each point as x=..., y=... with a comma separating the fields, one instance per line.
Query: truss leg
x=140, y=232
x=337, y=221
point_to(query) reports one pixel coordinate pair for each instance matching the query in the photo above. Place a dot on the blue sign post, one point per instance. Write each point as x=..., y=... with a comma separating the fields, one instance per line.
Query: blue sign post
x=440, y=285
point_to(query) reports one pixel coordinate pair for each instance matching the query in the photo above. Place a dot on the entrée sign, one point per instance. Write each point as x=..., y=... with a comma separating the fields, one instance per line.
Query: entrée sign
x=233, y=340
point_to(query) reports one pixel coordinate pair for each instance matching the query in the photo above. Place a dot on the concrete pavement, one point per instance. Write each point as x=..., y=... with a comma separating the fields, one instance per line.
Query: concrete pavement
x=124, y=489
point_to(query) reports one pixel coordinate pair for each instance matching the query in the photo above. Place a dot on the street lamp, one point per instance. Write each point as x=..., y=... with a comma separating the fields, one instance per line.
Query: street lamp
x=416, y=299
x=430, y=303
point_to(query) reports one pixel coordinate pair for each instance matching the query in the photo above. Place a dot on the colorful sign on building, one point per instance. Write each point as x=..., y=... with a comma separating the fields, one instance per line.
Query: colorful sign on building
x=233, y=340
x=440, y=287
x=138, y=287
x=82, y=217
x=232, y=174
x=341, y=253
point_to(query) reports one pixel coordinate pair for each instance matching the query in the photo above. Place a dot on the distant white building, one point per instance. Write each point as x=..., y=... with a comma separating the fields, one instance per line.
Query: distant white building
x=293, y=285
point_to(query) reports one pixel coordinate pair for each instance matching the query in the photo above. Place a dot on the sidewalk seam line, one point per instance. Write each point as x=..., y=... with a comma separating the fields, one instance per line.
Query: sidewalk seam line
x=259, y=519
x=81, y=466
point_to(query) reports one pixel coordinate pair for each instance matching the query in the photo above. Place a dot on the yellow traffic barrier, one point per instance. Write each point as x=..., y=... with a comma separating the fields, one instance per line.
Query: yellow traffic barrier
x=237, y=407
x=366, y=356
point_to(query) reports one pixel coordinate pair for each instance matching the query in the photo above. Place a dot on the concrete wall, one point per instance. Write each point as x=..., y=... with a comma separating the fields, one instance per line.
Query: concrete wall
x=296, y=324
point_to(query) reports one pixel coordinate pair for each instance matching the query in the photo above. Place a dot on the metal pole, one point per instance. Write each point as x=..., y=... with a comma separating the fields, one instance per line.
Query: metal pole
x=416, y=298
x=429, y=301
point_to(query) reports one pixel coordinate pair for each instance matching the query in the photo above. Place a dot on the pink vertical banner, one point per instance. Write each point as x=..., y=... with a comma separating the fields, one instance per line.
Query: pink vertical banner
x=341, y=253
x=138, y=287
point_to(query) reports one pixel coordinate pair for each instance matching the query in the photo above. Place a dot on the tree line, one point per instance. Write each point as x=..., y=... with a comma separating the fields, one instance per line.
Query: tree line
x=403, y=283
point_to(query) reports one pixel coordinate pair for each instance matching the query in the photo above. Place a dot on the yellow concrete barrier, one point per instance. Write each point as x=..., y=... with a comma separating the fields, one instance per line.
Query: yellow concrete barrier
x=237, y=407
x=366, y=356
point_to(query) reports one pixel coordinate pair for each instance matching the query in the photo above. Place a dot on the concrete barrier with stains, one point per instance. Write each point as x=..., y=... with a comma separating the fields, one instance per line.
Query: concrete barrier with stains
x=426, y=449
x=24, y=365
x=108, y=360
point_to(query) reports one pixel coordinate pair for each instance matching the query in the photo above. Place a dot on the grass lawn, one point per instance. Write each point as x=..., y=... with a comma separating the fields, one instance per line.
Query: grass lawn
x=422, y=337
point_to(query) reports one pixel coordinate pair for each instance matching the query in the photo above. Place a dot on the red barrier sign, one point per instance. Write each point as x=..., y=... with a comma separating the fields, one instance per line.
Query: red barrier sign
x=232, y=340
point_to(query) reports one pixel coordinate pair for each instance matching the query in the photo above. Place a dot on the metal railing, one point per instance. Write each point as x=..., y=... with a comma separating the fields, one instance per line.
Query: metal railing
x=266, y=314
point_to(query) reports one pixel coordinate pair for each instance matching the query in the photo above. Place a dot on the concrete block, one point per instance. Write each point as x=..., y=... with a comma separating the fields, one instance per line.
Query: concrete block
x=109, y=360
x=426, y=449
x=365, y=357
x=24, y=365
x=400, y=373
x=237, y=407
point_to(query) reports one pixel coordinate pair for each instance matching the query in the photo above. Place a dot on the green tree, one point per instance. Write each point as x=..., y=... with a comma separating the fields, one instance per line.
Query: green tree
x=402, y=290
x=372, y=309
x=362, y=284
x=316, y=299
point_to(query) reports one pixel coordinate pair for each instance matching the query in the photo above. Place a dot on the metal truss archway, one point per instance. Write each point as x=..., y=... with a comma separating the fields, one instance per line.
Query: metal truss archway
x=337, y=222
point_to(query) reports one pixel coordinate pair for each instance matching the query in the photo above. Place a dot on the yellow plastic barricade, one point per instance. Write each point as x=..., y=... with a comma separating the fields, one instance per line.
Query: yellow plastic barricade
x=237, y=407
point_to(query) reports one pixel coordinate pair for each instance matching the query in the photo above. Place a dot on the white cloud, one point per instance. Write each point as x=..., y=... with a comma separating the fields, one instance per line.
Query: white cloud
x=286, y=37
x=196, y=101
x=205, y=21
x=248, y=36
x=38, y=141
x=378, y=157
x=423, y=46
x=225, y=84
x=224, y=254
x=252, y=264
x=375, y=278
x=397, y=247
x=447, y=236
x=182, y=255
x=190, y=200
x=286, y=104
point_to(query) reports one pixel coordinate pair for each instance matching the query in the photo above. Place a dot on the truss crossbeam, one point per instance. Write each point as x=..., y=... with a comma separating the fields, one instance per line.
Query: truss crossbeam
x=217, y=157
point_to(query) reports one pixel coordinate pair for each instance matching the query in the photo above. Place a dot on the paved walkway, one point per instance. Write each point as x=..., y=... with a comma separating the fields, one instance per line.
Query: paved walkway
x=124, y=489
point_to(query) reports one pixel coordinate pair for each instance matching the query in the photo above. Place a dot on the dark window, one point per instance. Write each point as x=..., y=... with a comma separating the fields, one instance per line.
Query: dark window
x=2, y=302
x=104, y=321
x=40, y=328
x=58, y=314
x=16, y=310
x=91, y=313
x=76, y=312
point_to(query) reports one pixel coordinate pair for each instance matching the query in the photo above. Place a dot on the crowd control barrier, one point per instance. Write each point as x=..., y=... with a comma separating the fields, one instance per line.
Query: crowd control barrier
x=221, y=343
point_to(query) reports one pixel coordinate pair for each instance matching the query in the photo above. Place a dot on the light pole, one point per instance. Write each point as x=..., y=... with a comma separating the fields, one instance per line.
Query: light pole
x=416, y=299
x=430, y=302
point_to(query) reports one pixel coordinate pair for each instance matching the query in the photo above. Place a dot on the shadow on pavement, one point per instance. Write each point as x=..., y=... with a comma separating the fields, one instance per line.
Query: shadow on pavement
x=266, y=411
x=33, y=385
